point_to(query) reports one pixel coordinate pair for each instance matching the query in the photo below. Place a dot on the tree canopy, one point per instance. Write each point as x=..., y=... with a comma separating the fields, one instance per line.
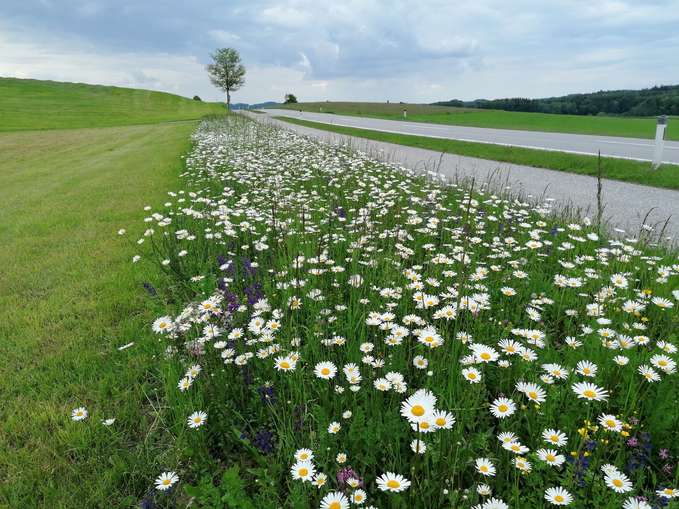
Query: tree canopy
x=227, y=72
x=661, y=100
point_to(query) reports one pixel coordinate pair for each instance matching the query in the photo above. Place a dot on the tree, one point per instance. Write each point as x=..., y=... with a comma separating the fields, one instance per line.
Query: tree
x=227, y=71
x=196, y=98
x=290, y=99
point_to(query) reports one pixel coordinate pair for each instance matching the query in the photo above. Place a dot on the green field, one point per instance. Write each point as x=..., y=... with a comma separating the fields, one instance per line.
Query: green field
x=617, y=169
x=71, y=296
x=35, y=104
x=577, y=124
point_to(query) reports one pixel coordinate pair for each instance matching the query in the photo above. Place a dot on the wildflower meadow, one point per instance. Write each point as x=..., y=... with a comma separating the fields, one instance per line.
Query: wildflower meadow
x=342, y=332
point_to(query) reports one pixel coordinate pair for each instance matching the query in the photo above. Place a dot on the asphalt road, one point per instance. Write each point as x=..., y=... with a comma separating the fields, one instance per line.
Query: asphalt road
x=626, y=207
x=610, y=146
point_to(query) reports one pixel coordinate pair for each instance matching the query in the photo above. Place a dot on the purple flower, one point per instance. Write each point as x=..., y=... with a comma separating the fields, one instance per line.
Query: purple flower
x=664, y=453
x=345, y=474
x=633, y=442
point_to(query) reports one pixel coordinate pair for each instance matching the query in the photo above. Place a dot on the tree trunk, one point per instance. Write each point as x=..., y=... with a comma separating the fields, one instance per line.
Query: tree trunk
x=228, y=100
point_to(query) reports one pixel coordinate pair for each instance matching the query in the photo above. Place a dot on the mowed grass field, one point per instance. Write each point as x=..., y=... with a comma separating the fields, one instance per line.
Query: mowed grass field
x=626, y=170
x=35, y=104
x=70, y=297
x=577, y=124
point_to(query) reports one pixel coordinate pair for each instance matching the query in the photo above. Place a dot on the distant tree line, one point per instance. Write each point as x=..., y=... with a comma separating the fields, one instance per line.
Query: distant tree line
x=661, y=100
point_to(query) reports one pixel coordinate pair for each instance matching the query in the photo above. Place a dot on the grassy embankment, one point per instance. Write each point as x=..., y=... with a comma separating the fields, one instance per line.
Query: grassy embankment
x=69, y=294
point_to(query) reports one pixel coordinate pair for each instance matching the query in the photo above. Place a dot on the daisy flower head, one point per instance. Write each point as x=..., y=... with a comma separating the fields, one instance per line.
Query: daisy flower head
x=443, y=419
x=472, y=375
x=197, y=419
x=166, y=480
x=668, y=493
x=334, y=427
x=419, y=407
x=589, y=391
x=418, y=446
x=304, y=455
x=303, y=471
x=610, y=422
x=320, y=480
x=185, y=383
x=618, y=482
x=79, y=414
x=325, y=370
x=551, y=457
x=359, y=497
x=335, y=500
x=555, y=437
x=163, y=325
x=635, y=503
x=502, y=407
x=285, y=363
x=485, y=467
x=558, y=496
x=392, y=482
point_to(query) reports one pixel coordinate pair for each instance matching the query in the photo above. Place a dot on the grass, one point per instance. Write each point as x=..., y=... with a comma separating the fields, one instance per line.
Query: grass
x=70, y=297
x=625, y=170
x=35, y=104
x=577, y=124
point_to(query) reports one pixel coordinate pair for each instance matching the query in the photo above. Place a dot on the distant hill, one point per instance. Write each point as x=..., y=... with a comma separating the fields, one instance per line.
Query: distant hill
x=246, y=106
x=661, y=100
x=35, y=104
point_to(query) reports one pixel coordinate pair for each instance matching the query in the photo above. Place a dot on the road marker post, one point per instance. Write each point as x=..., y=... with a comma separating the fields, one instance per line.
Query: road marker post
x=660, y=130
x=405, y=113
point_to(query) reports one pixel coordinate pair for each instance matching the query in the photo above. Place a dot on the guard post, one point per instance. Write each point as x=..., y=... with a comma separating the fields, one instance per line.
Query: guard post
x=405, y=113
x=660, y=131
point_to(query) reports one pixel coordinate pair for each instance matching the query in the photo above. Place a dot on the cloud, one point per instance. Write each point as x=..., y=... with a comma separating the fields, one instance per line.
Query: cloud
x=353, y=49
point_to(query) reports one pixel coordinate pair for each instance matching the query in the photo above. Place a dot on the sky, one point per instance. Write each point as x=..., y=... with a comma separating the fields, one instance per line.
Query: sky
x=369, y=50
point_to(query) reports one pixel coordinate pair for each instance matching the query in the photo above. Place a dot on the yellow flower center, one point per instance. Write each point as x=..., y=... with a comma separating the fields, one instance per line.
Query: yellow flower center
x=393, y=484
x=440, y=421
x=533, y=395
x=483, y=468
x=617, y=482
x=503, y=408
x=303, y=472
x=589, y=394
x=471, y=376
x=325, y=371
x=335, y=505
x=285, y=365
x=485, y=356
x=417, y=410
x=610, y=423
x=558, y=498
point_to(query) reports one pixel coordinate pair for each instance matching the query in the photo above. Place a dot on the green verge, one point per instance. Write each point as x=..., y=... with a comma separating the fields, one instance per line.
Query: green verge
x=634, y=127
x=35, y=104
x=625, y=170
x=70, y=297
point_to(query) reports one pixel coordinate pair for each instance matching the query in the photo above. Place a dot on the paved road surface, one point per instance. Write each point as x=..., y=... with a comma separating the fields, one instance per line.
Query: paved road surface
x=611, y=146
x=625, y=205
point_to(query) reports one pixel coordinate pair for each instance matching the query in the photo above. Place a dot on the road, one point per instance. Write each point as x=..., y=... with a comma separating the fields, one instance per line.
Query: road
x=610, y=146
x=625, y=206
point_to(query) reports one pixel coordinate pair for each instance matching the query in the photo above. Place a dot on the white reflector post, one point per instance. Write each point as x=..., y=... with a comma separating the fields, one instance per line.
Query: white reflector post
x=405, y=113
x=659, y=140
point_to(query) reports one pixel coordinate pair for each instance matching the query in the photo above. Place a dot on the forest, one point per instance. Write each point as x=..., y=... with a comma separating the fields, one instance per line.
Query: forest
x=659, y=100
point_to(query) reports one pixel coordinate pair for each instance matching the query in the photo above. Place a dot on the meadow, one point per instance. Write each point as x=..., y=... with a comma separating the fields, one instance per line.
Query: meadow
x=576, y=124
x=70, y=298
x=339, y=331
